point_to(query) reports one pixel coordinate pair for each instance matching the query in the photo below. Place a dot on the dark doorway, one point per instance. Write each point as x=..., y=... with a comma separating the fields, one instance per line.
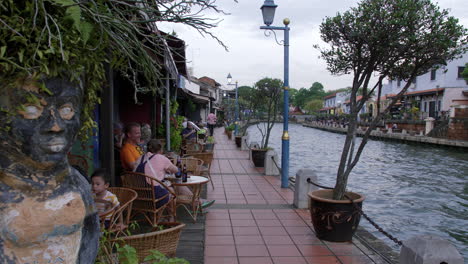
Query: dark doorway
x=432, y=109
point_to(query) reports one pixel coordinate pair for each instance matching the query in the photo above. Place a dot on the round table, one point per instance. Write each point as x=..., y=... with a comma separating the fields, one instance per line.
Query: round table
x=195, y=183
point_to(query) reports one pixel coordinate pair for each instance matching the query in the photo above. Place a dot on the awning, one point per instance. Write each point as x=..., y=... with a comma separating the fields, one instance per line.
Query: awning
x=425, y=92
x=199, y=98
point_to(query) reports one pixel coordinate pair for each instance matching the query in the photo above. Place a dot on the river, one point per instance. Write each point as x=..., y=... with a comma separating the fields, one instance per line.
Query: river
x=410, y=189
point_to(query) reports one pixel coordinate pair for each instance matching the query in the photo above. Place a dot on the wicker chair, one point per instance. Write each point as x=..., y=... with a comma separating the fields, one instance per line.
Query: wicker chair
x=207, y=158
x=122, y=214
x=192, y=148
x=194, y=166
x=165, y=241
x=146, y=202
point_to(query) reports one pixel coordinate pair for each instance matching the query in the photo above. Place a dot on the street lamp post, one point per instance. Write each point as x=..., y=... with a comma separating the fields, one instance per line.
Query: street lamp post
x=268, y=12
x=229, y=79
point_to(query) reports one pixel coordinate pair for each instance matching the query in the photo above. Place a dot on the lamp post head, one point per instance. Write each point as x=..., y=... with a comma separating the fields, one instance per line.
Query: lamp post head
x=268, y=11
x=229, y=78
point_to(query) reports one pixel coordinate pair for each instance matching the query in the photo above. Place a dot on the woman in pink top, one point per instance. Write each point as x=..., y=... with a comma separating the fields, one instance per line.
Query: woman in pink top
x=211, y=119
x=157, y=166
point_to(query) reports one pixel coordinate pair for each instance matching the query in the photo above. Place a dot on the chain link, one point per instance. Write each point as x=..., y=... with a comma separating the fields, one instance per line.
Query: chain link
x=374, y=224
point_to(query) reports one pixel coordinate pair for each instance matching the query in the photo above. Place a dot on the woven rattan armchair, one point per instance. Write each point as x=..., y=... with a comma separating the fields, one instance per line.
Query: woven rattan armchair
x=122, y=214
x=207, y=158
x=194, y=166
x=192, y=147
x=146, y=202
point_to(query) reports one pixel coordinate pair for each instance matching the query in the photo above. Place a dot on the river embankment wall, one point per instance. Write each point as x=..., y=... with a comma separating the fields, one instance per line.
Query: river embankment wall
x=400, y=137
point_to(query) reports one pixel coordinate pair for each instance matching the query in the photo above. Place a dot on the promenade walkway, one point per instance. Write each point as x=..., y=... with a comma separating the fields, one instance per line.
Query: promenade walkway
x=254, y=222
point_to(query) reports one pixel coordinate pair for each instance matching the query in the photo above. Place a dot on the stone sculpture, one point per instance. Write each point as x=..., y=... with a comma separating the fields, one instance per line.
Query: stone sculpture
x=46, y=209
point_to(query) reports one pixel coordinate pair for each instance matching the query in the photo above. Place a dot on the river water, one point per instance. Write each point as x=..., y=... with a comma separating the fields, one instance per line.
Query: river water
x=410, y=189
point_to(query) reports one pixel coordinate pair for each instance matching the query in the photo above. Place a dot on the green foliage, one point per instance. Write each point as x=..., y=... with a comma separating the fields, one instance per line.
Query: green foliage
x=127, y=255
x=77, y=40
x=157, y=257
x=176, y=126
x=303, y=95
x=231, y=127
x=210, y=139
x=268, y=97
x=378, y=39
x=314, y=105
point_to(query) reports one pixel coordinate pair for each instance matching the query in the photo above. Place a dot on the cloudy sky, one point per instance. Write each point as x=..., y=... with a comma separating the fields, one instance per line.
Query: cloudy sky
x=252, y=55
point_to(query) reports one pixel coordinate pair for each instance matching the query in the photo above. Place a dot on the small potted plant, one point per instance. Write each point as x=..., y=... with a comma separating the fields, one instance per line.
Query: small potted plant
x=209, y=143
x=229, y=130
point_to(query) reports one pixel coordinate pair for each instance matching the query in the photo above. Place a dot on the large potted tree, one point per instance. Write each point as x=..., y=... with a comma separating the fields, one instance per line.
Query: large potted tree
x=377, y=40
x=267, y=93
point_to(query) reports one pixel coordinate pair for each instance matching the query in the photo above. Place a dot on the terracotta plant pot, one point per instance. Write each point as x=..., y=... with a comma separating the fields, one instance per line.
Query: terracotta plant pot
x=334, y=220
x=229, y=134
x=238, y=141
x=258, y=157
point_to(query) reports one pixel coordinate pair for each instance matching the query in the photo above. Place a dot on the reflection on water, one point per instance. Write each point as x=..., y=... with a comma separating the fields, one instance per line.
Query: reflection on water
x=410, y=189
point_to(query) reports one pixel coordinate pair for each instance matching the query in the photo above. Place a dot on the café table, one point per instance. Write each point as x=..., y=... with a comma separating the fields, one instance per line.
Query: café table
x=190, y=202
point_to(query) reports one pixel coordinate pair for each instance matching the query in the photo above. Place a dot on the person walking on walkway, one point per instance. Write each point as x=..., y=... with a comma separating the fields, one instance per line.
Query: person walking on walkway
x=211, y=119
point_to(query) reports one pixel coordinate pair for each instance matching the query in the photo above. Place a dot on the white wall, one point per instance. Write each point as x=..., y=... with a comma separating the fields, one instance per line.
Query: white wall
x=446, y=77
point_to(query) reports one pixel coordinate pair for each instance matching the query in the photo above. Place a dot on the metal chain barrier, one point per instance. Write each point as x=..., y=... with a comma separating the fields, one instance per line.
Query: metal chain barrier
x=380, y=229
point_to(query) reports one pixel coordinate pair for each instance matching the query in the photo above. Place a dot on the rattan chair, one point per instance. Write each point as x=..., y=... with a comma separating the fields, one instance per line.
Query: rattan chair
x=146, y=202
x=164, y=241
x=193, y=165
x=207, y=158
x=126, y=197
x=192, y=147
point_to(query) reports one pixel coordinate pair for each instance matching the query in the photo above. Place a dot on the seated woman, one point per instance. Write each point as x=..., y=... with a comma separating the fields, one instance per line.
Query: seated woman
x=157, y=166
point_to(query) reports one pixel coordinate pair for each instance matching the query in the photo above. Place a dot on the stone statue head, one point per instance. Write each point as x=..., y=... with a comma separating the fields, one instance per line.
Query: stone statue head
x=42, y=119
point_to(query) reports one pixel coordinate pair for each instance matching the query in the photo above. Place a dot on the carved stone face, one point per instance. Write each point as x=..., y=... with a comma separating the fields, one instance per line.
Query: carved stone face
x=43, y=126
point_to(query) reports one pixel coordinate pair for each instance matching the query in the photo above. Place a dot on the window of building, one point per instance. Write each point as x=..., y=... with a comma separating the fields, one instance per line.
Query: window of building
x=425, y=106
x=398, y=83
x=433, y=75
x=460, y=70
x=439, y=104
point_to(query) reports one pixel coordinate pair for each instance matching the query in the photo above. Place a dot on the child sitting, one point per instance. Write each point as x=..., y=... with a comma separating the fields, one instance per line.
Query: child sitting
x=103, y=199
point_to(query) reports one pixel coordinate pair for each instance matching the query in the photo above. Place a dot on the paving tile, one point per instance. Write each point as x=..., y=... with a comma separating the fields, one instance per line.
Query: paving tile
x=323, y=260
x=241, y=216
x=219, y=240
x=243, y=222
x=265, y=216
x=283, y=251
x=218, y=222
x=273, y=231
x=221, y=260
x=314, y=250
x=299, y=230
x=306, y=240
x=246, y=231
x=267, y=222
x=249, y=240
x=252, y=251
x=218, y=230
x=255, y=260
x=289, y=260
x=220, y=251
x=286, y=222
x=278, y=240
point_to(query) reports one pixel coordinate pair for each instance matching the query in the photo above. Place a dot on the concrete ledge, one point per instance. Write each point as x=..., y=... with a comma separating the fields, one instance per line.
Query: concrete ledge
x=397, y=137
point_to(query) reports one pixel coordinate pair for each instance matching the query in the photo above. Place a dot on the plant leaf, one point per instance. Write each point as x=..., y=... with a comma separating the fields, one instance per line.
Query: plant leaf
x=74, y=13
x=86, y=28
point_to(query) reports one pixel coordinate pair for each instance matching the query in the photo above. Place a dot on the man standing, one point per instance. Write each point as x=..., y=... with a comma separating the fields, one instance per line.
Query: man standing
x=211, y=119
x=131, y=152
